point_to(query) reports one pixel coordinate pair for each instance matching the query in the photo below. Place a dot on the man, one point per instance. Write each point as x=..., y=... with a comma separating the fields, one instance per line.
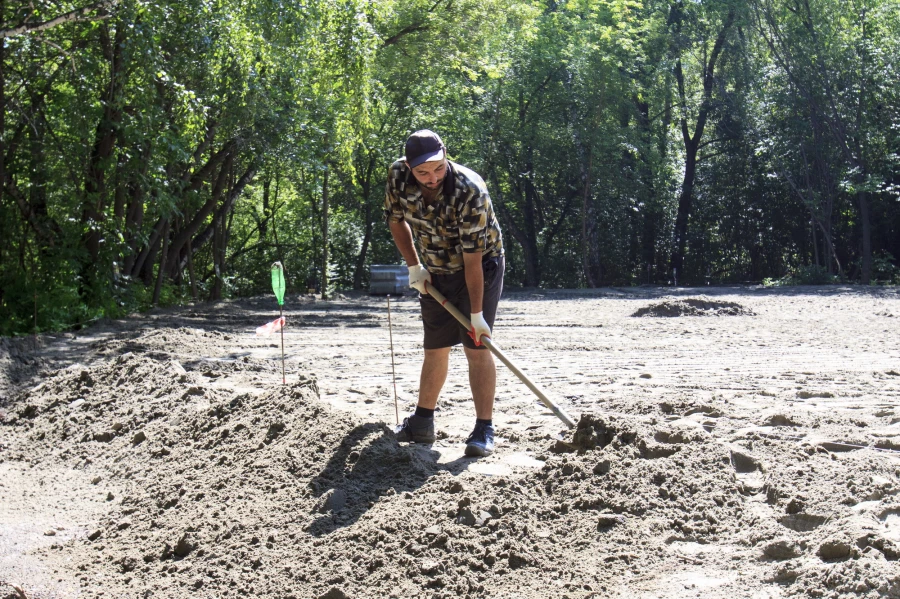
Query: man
x=446, y=209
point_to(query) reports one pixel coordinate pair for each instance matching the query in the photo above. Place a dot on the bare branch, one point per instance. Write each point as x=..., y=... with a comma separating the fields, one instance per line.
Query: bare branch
x=711, y=141
x=524, y=110
x=61, y=49
x=413, y=28
x=708, y=156
x=77, y=15
x=420, y=25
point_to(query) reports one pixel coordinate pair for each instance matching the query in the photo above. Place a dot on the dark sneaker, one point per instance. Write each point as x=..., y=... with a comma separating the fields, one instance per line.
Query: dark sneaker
x=481, y=441
x=416, y=429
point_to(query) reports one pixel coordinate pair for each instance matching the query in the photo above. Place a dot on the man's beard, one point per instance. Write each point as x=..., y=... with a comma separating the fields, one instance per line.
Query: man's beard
x=436, y=186
x=431, y=193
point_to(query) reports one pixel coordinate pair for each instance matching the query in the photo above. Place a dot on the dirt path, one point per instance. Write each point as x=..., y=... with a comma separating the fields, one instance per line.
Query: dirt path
x=736, y=442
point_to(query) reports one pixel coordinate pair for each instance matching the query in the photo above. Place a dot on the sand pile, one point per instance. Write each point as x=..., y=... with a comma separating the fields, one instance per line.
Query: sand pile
x=19, y=359
x=225, y=489
x=692, y=306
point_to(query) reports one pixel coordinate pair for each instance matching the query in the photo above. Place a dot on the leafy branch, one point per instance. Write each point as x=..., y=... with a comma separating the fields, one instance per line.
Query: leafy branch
x=73, y=16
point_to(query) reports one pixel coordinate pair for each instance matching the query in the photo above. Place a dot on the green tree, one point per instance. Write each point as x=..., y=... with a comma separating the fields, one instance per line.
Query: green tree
x=836, y=58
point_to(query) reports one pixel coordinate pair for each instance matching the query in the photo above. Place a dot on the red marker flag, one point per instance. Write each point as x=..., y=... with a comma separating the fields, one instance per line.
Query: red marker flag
x=270, y=327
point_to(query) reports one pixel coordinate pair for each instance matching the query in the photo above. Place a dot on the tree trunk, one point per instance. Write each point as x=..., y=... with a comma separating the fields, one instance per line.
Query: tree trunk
x=506, y=219
x=134, y=212
x=146, y=272
x=315, y=228
x=191, y=273
x=692, y=141
x=529, y=228
x=2, y=110
x=119, y=196
x=685, y=199
x=815, y=241
x=149, y=251
x=861, y=155
x=588, y=223
x=94, y=203
x=177, y=270
x=219, y=227
x=187, y=176
x=134, y=222
x=195, y=180
x=33, y=206
x=264, y=223
x=360, y=268
x=162, y=264
x=190, y=229
x=862, y=198
x=278, y=253
x=226, y=241
x=325, y=235
x=224, y=210
x=651, y=216
x=37, y=190
x=366, y=183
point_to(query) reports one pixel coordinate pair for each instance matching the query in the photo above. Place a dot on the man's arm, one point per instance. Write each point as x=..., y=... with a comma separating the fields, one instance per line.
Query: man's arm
x=474, y=279
x=403, y=239
x=475, y=283
x=419, y=277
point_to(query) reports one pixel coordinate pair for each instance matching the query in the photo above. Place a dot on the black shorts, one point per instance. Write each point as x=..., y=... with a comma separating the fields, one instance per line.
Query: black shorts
x=441, y=328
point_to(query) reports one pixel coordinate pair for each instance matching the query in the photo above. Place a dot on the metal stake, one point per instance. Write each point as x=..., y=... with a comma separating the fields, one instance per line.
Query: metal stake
x=393, y=373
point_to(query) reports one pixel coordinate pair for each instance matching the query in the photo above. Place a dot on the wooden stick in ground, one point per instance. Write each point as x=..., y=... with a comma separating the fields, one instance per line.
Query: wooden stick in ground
x=496, y=351
x=393, y=374
x=283, y=377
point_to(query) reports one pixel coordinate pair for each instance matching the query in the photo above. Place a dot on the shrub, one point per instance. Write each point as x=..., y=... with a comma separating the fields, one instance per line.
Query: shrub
x=811, y=274
x=884, y=269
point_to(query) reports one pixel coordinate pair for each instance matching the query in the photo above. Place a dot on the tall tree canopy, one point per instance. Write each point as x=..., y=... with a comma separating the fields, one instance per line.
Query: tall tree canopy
x=155, y=151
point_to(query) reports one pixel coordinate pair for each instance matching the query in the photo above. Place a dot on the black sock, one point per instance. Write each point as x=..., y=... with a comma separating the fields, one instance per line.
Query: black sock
x=424, y=412
x=488, y=422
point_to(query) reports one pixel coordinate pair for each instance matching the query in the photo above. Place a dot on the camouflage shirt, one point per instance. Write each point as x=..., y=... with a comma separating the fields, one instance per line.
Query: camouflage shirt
x=461, y=219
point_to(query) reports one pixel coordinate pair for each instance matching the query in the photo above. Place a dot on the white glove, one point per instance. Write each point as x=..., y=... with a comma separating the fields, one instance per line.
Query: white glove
x=418, y=275
x=479, y=327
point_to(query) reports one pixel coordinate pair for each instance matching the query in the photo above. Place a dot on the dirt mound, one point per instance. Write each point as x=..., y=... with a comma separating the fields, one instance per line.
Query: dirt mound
x=693, y=306
x=275, y=494
x=212, y=479
x=18, y=361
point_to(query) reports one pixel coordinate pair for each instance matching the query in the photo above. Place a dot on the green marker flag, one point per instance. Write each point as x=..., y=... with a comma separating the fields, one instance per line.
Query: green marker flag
x=278, y=287
x=278, y=282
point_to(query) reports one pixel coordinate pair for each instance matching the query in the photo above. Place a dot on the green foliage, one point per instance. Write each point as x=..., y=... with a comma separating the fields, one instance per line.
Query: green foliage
x=885, y=269
x=805, y=275
x=210, y=127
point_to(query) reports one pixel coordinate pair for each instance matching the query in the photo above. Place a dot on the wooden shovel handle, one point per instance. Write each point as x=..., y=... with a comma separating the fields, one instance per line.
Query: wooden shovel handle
x=496, y=351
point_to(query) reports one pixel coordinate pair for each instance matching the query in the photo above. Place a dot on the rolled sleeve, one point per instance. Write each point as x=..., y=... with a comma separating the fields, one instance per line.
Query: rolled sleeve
x=393, y=211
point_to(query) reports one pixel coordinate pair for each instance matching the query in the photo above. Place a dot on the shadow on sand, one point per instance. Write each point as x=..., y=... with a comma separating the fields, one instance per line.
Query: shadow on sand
x=367, y=465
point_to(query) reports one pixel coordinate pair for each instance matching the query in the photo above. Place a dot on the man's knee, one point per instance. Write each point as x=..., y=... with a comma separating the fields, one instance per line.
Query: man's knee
x=478, y=356
x=441, y=354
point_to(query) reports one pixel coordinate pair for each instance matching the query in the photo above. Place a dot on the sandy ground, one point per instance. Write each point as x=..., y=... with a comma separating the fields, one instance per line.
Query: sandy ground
x=732, y=442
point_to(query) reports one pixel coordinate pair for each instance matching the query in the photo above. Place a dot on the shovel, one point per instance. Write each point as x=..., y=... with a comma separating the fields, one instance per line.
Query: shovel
x=496, y=351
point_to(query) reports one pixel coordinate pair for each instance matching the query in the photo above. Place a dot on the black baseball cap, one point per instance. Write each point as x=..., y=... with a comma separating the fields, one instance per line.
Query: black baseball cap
x=423, y=146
